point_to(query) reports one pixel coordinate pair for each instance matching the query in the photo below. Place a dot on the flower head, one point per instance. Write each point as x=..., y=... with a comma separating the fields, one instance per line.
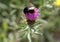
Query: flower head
x=31, y=14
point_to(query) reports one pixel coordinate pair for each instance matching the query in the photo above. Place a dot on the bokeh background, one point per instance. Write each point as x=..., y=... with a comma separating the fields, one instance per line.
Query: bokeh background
x=13, y=25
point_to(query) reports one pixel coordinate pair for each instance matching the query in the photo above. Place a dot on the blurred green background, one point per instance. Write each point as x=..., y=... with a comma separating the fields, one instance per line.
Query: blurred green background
x=13, y=25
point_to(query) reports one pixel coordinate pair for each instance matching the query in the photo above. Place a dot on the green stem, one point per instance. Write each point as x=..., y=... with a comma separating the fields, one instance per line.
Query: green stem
x=29, y=35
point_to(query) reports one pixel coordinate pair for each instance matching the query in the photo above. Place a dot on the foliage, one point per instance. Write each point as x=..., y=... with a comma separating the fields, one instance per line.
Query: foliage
x=13, y=25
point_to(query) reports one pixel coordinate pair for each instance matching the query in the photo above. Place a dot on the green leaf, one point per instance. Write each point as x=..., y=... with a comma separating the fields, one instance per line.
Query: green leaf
x=3, y=6
x=5, y=26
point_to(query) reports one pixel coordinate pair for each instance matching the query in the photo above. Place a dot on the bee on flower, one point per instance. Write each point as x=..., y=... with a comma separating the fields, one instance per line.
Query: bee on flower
x=31, y=14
